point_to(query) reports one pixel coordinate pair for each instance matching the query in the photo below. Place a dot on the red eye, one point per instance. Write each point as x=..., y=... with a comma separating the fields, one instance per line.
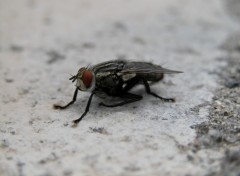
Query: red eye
x=87, y=78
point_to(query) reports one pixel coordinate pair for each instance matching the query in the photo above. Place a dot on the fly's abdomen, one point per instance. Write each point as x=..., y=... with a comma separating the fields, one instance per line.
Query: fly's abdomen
x=151, y=76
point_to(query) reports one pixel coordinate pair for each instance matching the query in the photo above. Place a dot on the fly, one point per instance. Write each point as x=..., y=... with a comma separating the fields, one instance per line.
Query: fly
x=115, y=79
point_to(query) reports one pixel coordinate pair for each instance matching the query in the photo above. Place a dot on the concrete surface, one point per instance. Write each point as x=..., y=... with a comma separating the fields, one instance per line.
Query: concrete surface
x=43, y=42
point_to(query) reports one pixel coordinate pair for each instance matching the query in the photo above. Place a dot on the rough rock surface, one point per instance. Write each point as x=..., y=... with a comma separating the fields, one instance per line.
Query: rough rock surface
x=43, y=42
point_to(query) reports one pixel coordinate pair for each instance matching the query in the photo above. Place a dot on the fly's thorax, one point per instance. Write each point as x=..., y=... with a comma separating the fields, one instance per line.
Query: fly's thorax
x=85, y=79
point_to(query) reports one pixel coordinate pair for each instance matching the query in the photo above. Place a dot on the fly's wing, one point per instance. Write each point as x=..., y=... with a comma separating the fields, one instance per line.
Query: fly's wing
x=109, y=66
x=145, y=68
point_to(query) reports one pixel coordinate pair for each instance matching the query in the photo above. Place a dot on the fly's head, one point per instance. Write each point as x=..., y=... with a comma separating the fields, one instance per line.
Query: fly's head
x=85, y=79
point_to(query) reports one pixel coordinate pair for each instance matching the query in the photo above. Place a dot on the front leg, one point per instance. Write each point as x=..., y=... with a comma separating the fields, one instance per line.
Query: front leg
x=55, y=106
x=85, y=112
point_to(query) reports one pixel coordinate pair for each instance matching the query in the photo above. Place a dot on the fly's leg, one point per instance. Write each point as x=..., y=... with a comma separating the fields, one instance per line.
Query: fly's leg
x=85, y=112
x=119, y=104
x=70, y=103
x=148, y=90
x=130, y=98
x=130, y=84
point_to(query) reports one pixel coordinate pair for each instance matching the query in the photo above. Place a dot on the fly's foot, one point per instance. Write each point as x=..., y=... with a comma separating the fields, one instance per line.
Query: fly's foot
x=76, y=121
x=74, y=124
x=55, y=106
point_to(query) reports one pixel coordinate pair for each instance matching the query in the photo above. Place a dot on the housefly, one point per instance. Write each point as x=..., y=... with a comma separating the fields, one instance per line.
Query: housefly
x=115, y=79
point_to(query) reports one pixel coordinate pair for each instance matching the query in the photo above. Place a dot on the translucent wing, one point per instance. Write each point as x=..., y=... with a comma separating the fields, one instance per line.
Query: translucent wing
x=145, y=68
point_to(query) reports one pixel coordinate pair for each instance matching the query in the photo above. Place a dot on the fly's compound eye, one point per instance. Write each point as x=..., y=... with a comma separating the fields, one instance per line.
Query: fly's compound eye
x=87, y=78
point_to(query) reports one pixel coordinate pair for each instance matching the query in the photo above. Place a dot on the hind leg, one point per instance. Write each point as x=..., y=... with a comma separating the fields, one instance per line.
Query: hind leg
x=148, y=90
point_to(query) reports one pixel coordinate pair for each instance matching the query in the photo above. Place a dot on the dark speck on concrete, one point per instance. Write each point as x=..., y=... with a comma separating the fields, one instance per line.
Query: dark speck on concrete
x=34, y=103
x=88, y=45
x=232, y=84
x=54, y=56
x=100, y=130
x=132, y=168
x=31, y=4
x=16, y=48
x=4, y=143
x=65, y=124
x=190, y=157
x=139, y=40
x=24, y=91
x=8, y=80
x=51, y=157
x=47, y=20
x=67, y=173
x=120, y=26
